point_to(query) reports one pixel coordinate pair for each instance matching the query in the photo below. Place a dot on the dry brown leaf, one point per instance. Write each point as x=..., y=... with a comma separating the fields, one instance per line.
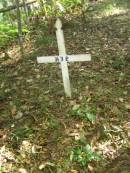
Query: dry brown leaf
x=13, y=110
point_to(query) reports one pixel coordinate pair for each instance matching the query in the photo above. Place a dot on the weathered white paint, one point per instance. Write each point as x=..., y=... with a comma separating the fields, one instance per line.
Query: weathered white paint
x=62, y=52
x=63, y=58
x=67, y=58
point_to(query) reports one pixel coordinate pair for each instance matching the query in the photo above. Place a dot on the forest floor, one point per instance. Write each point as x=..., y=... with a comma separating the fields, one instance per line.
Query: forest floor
x=43, y=131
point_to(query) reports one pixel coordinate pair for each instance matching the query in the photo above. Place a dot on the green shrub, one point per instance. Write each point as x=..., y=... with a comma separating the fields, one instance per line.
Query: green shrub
x=8, y=34
x=83, y=112
x=84, y=155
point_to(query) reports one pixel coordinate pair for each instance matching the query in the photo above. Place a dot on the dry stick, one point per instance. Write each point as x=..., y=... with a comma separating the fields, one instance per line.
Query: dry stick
x=26, y=12
x=84, y=6
x=13, y=7
x=19, y=28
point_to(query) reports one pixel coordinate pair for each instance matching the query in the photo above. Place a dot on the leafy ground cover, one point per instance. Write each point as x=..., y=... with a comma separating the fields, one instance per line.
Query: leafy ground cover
x=8, y=34
x=43, y=131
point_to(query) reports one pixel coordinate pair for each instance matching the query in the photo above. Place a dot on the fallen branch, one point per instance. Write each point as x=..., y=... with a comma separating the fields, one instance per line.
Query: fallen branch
x=12, y=7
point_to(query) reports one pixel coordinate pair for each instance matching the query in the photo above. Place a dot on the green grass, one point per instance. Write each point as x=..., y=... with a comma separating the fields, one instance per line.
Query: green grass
x=21, y=133
x=108, y=7
x=8, y=34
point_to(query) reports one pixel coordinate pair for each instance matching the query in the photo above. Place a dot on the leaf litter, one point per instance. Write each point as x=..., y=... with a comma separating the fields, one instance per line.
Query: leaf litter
x=36, y=116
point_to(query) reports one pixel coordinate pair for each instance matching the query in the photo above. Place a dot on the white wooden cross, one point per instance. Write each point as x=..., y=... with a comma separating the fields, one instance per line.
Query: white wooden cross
x=63, y=58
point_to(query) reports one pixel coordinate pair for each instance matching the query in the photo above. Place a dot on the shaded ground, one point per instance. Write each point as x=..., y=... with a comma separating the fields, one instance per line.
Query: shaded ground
x=36, y=125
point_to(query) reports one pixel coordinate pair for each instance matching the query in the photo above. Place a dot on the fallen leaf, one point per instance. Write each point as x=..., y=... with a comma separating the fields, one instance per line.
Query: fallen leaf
x=75, y=107
x=22, y=170
x=18, y=115
x=13, y=110
x=42, y=166
x=115, y=110
x=74, y=171
x=127, y=106
x=90, y=168
x=121, y=100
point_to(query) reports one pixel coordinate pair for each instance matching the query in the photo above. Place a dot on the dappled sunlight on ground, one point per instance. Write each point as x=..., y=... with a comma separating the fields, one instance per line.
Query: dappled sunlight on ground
x=40, y=127
x=114, y=11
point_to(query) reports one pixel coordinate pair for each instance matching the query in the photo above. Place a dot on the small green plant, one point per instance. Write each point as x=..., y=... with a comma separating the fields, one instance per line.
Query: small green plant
x=53, y=122
x=84, y=155
x=70, y=3
x=118, y=64
x=19, y=134
x=84, y=113
x=41, y=40
x=2, y=170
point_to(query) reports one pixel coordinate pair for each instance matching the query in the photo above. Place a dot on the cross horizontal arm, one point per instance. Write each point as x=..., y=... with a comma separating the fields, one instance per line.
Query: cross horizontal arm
x=46, y=59
x=65, y=58
x=80, y=57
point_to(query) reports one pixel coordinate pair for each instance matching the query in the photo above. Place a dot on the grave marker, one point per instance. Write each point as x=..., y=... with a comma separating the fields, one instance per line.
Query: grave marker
x=63, y=58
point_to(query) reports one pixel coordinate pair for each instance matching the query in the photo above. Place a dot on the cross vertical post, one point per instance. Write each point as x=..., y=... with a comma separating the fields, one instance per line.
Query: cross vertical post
x=62, y=52
x=63, y=58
